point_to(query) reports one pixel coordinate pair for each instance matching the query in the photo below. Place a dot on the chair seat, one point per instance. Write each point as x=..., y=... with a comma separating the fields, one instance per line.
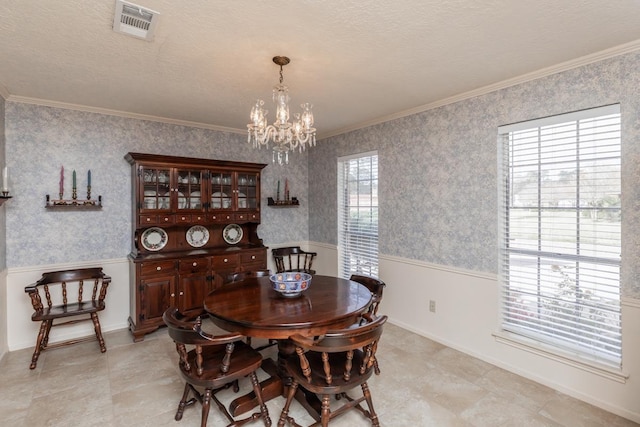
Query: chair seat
x=318, y=383
x=245, y=361
x=73, y=309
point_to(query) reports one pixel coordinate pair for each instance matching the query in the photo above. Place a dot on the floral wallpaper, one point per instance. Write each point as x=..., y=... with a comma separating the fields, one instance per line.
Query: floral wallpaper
x=438, y=169
x=39, y=140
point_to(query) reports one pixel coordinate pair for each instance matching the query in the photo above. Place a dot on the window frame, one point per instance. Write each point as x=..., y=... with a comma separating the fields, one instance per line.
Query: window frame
x=524, y=332
x=358, y=243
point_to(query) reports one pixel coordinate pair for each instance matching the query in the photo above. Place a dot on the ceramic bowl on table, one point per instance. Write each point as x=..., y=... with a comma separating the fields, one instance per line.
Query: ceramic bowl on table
x=290, y=284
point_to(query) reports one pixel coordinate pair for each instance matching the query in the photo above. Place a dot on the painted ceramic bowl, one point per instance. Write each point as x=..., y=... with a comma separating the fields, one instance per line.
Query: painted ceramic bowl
x=290, y=284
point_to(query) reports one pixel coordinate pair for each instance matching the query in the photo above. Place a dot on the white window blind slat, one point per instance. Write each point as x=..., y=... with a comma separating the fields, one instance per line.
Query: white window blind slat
x=560, y=232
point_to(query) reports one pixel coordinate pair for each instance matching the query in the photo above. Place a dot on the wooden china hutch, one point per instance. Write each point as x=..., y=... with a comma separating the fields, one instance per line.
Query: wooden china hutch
x=195, y=223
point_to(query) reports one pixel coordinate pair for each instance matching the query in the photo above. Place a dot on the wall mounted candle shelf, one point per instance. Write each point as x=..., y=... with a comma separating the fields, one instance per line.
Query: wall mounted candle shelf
x=73, y=204
x=4, y=198
x=291, y=203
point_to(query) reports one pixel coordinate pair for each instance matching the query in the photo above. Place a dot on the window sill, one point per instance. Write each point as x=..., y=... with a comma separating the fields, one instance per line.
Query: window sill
x=539, y=349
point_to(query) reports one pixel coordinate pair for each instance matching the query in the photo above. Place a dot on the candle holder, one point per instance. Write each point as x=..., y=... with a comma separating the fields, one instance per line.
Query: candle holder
x=74, y=193
x=73, y=204
x=4, y=197
x=88, y=192
x=289, y=203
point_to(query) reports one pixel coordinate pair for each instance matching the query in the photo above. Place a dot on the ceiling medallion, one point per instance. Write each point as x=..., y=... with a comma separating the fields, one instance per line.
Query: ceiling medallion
x=284, y=135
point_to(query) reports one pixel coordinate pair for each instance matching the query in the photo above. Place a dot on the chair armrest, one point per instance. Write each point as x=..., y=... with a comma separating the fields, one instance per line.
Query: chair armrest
x=216, y=339
x=302, y=341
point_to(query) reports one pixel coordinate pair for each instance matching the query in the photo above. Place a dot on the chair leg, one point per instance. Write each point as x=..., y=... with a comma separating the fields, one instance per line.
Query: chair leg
x=206, y=404
x=96, y=326
x=325, y=413
x=183, y=403
x=376, y=369
x=42, y=333
x=284, y=415
x=367, y=395
x=258, y=391
x=45, y=341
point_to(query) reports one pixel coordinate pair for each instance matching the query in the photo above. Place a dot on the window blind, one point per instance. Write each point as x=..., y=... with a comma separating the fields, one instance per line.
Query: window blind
x=358, y=215
x=560, y=232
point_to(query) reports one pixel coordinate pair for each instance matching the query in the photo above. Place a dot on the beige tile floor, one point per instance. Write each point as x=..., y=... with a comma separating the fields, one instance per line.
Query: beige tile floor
x=422, y=384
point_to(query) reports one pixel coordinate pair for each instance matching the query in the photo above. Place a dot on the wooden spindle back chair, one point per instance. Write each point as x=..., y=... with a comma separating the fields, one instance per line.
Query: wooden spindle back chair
x=212, y=363
x=332, y=365
x=293, y=259
x=241, y=275
x=375, y=286
x=74, y=295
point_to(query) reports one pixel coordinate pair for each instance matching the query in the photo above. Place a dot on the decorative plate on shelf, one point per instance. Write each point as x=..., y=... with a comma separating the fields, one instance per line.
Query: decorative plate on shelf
x=232, y=234
x=197, y=236
x=154, y=239
x=242, y=200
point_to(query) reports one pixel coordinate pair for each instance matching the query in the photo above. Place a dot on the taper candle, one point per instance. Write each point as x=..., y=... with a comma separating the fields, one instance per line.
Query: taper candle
x=61, y=181
x=89, y=178
x=74, y=179
x=5, y=180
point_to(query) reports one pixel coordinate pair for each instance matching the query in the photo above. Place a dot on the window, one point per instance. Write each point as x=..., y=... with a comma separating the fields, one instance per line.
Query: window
x=560, y=243
x=358, y=215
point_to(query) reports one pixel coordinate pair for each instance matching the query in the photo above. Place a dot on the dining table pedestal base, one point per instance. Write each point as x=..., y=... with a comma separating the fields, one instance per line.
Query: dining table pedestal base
x=272, y=387
x=276, y=385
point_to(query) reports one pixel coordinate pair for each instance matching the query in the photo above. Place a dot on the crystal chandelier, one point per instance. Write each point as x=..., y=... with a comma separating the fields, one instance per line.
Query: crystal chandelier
x=284, y=135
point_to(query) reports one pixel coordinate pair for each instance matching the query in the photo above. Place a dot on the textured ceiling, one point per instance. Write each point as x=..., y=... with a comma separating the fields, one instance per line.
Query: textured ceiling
x=357, y=62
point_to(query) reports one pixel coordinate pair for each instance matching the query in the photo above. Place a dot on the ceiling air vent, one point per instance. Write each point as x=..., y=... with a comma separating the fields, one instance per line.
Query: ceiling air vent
x=134, y=20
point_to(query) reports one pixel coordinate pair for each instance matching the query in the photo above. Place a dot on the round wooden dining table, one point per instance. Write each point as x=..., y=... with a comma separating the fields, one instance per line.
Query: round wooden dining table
x=252, y=308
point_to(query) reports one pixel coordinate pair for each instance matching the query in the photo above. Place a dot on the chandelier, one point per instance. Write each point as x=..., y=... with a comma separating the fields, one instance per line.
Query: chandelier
x=284, y=135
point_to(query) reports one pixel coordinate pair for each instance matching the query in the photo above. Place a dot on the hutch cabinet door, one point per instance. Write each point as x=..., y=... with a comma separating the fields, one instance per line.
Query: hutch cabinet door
x=156, y=295
x=189, y=188
x=194, y=283
x=221, y=190
x=248, y=192
x=155, y=189
x=192, y=291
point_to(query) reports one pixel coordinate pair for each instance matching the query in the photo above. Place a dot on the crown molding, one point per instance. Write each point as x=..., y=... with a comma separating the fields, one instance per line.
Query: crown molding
x=109, y=112
x=544, y=72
